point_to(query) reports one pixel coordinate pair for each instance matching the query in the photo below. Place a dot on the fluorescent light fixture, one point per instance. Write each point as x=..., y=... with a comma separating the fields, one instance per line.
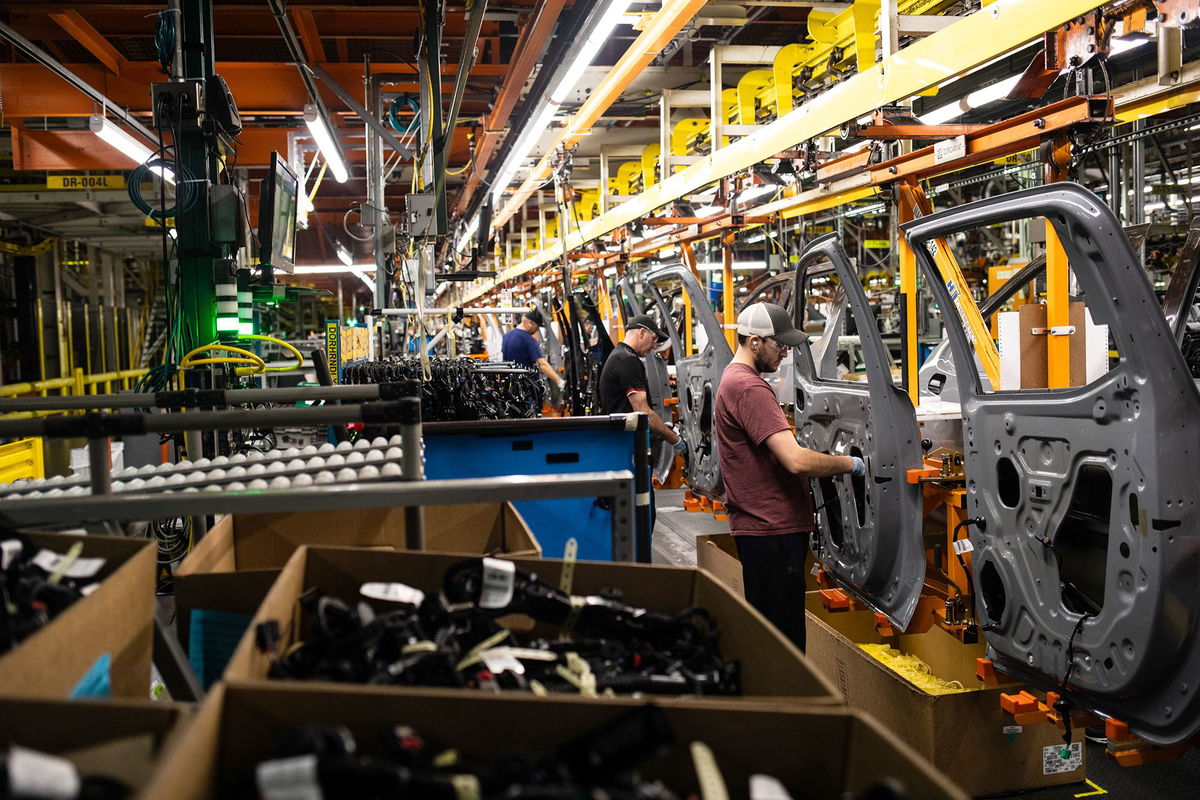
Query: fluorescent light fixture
x=757, y=191
x=708, y=211
x=989, y=94
x=329, y=269
x=344, y=255
x=862, y=211
x=943, y=114
x=521, y=148
x=744, y=266
x=537, y=125
x=325, y=143
x=584, y=56
x=362, y=276
x=468, y=234
x=129, y=147
x=1118, y=46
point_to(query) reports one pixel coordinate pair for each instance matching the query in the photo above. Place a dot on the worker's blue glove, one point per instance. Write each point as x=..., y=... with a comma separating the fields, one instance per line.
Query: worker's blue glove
x=858, y=467
x=681, y=446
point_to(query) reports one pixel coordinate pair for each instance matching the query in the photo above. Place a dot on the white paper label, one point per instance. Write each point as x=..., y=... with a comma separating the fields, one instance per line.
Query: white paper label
x=392, y=593
x=89, y=589
x=950, y=149
x=767, y=787
x=500, y=660
x=1013, y=730
x=9, y=549
x=1053, y=762
x=963, y=546
x=47, y=777
x=498, y=580
x=82, y=568
x=289, y=779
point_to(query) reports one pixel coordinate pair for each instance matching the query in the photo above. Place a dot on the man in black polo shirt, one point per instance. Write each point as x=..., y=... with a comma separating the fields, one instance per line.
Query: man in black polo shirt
x=623, y=385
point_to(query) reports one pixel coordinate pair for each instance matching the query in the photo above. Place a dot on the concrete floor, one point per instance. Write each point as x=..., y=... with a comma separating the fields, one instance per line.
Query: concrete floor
x=675, y=530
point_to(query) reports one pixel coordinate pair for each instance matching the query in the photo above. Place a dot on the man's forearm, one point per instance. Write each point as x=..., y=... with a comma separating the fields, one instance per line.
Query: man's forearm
x=812, y=464
x=660, y=428
x=548, y=370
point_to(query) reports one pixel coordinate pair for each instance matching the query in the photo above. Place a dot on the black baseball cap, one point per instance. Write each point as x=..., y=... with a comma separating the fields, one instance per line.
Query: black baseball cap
x=536, y=317
x=768, y=319
x=647, y=322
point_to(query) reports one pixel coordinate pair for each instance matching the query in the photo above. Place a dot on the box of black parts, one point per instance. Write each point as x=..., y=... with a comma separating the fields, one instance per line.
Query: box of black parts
x=501, y=622
x=98, y=615
x=922, y=687
x=222, y=581
x=83, y=748
x=247, y=740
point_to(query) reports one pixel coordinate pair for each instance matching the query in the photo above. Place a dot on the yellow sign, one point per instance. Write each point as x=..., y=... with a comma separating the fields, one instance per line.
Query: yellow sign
x=85, y=181
x=151, y=222
x=877, y=244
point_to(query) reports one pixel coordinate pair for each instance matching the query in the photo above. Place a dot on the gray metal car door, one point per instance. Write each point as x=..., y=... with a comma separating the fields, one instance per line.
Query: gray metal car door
x=662, y=454
x=869, y=533
x=1087, y=563
x=697, y=377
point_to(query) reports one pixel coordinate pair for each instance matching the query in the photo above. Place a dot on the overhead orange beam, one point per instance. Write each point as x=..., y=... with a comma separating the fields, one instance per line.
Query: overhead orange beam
x=258, y=87
x=530, y=44
x=669, y=20
x=73, y=23
x=306, y=26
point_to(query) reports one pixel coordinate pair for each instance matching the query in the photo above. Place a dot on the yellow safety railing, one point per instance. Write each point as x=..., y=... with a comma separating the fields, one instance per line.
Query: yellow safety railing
x=21, y=459
x=79, y=384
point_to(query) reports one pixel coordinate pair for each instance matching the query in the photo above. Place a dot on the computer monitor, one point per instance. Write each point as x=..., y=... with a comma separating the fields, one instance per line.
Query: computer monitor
x=277, y=207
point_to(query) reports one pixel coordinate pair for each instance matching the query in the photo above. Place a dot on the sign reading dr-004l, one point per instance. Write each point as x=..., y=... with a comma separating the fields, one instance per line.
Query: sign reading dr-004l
x=85, y=181
x=1086, y=559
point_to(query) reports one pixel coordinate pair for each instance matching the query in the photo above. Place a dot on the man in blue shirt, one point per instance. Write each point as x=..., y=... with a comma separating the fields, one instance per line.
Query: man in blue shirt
x=520, y=346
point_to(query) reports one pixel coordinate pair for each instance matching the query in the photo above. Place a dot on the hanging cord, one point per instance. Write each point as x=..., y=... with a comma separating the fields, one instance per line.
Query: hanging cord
x=981, y=524
x=164, y=39
x=286, y=345
x=185, y=189
x=250, y=358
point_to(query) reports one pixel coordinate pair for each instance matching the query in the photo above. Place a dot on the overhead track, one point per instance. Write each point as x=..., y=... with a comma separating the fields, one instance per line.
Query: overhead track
x=923, y=65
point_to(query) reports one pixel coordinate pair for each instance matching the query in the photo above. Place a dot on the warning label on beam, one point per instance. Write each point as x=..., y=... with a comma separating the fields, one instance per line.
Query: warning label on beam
x=85, y=181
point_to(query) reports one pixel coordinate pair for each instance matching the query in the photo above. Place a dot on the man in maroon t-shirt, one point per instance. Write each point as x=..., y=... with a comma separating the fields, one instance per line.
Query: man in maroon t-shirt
x=766, y=472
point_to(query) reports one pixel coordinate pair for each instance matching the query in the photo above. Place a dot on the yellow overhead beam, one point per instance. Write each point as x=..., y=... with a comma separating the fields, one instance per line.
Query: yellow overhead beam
x=961, y=46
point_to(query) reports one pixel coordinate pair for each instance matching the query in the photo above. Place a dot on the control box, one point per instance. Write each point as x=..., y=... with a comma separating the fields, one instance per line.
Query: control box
x=177, y=104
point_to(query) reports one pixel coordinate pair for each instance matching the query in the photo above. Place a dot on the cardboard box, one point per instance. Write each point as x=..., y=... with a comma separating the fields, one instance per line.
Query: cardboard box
x=817, y=752
x=237, y=561
x=717, y=553
x=770, y=665
x=120, y=739
x=100, y=645
x=965, y=734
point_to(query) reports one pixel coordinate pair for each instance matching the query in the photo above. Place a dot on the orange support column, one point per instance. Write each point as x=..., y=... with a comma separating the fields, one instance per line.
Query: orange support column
x=730, y=318
x=908, y=294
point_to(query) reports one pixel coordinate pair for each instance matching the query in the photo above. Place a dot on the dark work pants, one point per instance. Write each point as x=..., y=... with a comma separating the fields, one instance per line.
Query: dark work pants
x=773, y=576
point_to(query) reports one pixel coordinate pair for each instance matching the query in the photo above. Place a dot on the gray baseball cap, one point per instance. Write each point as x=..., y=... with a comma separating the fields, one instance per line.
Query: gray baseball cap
x=768, y=319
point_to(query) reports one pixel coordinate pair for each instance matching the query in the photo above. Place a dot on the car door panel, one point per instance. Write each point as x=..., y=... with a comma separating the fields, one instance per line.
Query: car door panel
x=659, y=382
x=697, y=377
x=869, y=533
x=1087, y=563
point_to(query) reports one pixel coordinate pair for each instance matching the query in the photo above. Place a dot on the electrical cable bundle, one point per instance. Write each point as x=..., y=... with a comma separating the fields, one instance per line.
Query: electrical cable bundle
x=459, y=388
x=36, y=585
x=584, y=645
x=185, y=188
